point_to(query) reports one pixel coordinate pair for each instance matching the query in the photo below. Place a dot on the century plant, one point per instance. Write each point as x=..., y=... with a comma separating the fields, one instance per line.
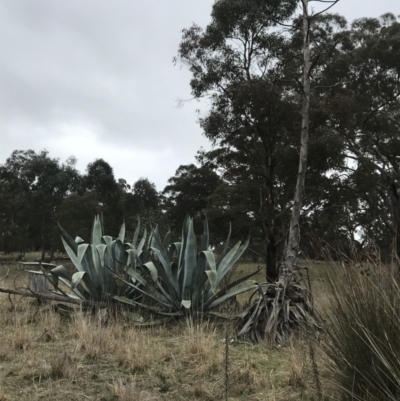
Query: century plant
x=182, y=280
x=96, y=262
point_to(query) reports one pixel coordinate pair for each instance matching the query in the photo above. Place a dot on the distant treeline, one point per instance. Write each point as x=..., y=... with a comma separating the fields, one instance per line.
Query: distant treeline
x=352, y=194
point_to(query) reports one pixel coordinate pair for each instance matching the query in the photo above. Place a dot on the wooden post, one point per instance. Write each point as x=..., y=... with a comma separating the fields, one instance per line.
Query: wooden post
x=39, y=284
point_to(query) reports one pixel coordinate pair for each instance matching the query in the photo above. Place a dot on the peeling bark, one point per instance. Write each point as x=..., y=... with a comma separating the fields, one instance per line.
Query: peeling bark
x=292, y=248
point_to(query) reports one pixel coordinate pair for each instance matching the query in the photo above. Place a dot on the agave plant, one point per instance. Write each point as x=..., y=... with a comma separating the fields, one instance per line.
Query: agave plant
x=183, y=279
x=97, y=263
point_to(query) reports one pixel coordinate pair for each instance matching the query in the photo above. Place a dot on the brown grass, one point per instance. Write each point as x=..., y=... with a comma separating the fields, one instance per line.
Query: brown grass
x=92, y=356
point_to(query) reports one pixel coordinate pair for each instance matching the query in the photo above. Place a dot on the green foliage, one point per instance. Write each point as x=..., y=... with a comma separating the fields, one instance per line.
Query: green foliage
x=100, y=181
x=183, y=279
x=188, y=192
x=34, y=185
x=363, y=110
x=144, y=201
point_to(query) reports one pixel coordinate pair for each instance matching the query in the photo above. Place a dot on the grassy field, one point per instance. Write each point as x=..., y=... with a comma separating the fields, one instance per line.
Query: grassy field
x=46, y=355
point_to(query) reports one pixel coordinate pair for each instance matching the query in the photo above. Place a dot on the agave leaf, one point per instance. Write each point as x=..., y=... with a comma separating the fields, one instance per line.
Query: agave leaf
x=234, y=291
x=61, y=271
x=142, y=242
x=76, y=278
x=166, y=268
x=73, y=296
x=164, y=271
x=205, y=240
x=81, y=252
x=190, y=257
x=152, y=294
x=35, y=272
x=156, y=243
x=174, y=248
x=99, y=274
x=151, y=308
x=45, y=265
x=224, y=290
x=88, y=265
x=153, y=270
x=72, y=254
x=174, y=269
x=226, y=246
x=102, y=249
x=210, y=259
x=163, y=293
x=186, y=303
x=106, y=239
x=199, y=278
x=230, y=259
x=97, y=231
x=134, y=274
x=118, y=252
x=167, y=239
x=121, y=235
x=132, y=258
x=212, y=278
x=43, y=273
x=185, y=230
x=83, y=276
x=79, y=291
x=65, y=276
x=79, y=240
x=70, y=241
x=240, y=280
x=136, y=234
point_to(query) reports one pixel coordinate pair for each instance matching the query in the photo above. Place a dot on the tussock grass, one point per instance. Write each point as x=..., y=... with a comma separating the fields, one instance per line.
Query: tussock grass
x=362, y=344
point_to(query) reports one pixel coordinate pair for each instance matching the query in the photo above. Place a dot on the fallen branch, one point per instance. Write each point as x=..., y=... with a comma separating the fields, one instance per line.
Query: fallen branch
x=53, y=297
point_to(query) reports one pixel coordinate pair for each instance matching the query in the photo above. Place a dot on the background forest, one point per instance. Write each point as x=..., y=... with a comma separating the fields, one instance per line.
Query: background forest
x=250, y=72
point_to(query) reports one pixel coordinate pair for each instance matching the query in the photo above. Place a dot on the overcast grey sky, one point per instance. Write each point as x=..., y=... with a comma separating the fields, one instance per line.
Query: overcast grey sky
x=95, y=79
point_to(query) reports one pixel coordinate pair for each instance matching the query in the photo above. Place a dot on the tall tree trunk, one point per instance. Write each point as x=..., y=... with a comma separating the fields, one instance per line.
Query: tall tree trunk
x=272, y=271
x=267, y=212
x=292, y=248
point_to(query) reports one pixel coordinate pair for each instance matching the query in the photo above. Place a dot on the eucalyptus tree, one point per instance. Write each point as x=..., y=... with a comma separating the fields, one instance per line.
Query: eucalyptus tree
x=100, y=181
x=187, y=193
x=145, y=202
x=364, y=110
x=248, y=62
x=37, y=185
x=233, y=62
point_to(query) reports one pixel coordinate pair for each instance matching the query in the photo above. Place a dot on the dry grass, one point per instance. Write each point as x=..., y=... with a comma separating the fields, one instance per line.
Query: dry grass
x=362, y=334
x=94, y=357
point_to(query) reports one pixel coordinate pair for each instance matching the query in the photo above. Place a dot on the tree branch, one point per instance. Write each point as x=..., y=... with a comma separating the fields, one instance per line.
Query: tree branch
x=53, y=297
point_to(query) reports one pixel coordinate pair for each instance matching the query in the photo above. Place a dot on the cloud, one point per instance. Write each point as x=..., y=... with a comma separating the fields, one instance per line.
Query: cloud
x=95, y=78
x=101, y=67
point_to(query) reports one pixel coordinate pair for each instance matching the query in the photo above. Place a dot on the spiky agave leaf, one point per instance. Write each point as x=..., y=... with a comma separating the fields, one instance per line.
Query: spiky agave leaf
x=191, y=280
x=99, y=259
